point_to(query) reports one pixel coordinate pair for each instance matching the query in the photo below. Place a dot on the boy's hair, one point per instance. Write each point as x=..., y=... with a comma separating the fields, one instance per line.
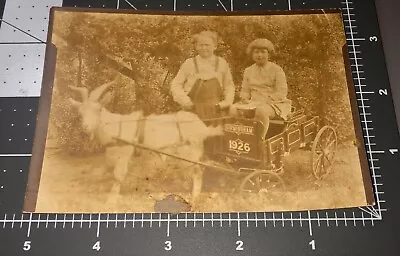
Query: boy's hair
x=260, y=43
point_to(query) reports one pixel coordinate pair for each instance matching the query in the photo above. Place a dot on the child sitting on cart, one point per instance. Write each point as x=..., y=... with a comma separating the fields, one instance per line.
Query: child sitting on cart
x=264, y=85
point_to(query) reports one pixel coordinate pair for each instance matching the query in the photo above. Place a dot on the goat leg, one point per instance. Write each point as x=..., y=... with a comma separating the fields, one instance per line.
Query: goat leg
x=120, y=171
x=197, y=183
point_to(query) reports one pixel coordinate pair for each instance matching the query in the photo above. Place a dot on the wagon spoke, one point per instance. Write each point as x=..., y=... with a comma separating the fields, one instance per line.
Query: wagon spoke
x=318, y=161
x=328, y=139
x=331, y=143
x=329, y=161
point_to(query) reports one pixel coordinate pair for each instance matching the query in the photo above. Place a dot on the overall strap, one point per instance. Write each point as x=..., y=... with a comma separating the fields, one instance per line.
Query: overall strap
x=216, y=63
x=195, y=65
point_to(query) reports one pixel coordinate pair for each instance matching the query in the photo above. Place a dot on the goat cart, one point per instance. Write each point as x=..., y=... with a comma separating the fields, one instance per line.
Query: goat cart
x=258, y=162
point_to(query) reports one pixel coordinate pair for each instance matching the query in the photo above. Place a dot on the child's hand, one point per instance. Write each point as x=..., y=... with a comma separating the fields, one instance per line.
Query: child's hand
x=245, y=101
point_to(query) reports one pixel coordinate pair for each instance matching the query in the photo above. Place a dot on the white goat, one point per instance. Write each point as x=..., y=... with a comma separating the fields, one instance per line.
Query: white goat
x=182, y=133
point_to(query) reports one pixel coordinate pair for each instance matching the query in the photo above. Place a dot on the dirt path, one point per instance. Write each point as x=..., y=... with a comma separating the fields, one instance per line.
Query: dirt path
x=80, y=184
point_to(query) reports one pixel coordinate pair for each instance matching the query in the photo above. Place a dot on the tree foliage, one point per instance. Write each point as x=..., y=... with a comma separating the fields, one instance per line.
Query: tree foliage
x=308, y=48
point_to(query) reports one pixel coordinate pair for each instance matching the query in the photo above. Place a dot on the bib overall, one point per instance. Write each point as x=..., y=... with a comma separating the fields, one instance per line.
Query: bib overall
x=205, y=94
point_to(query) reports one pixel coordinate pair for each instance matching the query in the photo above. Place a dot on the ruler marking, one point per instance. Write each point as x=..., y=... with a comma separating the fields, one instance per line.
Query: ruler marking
x=247, y=219
x=203, y=219
x=354, y=219
x=13, y=220
x=265, y=219
x=47, y=220
x=98, y=226
x=5, y=219
x=300, y=220
x=64, y=221
x=177, y=221
x=194, y=220
x=81, y=220
x=134, y=218
x=72, y=222
x=141, y=224
x=255, y=216
x=283, y=220
x=55, y=221
x=108, y=219
x=125, y=221
x=116, y=221
x=168, y=226
x=151, y=218
x=229, y=214
x=220, y=220
x=29, y=225
x=345, y=218
x=309, y=223
x=22, y=219
x=327, y=221
x=336, y=219
x=319, y=224
x=186, y=219
x=362, y=103
x=291, y=219
x=363, y=219
x=238, y=227
x=273, y=218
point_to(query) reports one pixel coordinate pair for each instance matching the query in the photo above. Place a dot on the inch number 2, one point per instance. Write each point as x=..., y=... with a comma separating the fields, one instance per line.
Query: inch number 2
x=27, y=245
x=383, y=92
x=239, y=246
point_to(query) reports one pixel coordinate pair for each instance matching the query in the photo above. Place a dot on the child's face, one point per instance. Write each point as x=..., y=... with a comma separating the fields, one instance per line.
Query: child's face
x=260, y=56
x=205, y=47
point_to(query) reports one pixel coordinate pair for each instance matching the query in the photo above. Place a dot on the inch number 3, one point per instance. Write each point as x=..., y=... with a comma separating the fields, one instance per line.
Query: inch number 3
x=373, y=39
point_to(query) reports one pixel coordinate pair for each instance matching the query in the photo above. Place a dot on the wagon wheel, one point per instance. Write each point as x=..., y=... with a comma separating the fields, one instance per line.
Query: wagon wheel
x=262, y=180
x=323, y=151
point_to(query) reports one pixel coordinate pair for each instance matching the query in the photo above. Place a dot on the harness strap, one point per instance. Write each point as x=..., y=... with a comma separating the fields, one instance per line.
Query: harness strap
x=180, y=132
x=140, y=130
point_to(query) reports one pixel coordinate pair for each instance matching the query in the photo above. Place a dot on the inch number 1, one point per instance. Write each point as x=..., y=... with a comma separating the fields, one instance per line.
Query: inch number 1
x=312, y=243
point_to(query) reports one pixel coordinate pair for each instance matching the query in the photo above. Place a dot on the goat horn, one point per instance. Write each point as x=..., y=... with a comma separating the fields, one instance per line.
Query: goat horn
x=96, y=93
x=83, y=91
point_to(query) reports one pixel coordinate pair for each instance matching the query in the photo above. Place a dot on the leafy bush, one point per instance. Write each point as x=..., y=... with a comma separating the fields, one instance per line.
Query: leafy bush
x=308, y=48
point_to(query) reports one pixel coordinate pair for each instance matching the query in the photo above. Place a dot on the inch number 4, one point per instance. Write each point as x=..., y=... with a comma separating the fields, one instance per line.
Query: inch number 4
x=96, y=246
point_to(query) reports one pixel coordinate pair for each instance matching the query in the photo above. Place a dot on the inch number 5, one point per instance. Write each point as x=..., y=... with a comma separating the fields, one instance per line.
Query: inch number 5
x=27, y=245
x=373, y=39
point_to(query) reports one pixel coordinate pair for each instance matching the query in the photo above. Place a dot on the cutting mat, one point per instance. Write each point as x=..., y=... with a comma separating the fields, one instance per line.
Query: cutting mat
x=359, y=231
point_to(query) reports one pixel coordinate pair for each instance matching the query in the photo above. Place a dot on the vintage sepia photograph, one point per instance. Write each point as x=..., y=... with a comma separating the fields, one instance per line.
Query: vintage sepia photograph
x=198, y=112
